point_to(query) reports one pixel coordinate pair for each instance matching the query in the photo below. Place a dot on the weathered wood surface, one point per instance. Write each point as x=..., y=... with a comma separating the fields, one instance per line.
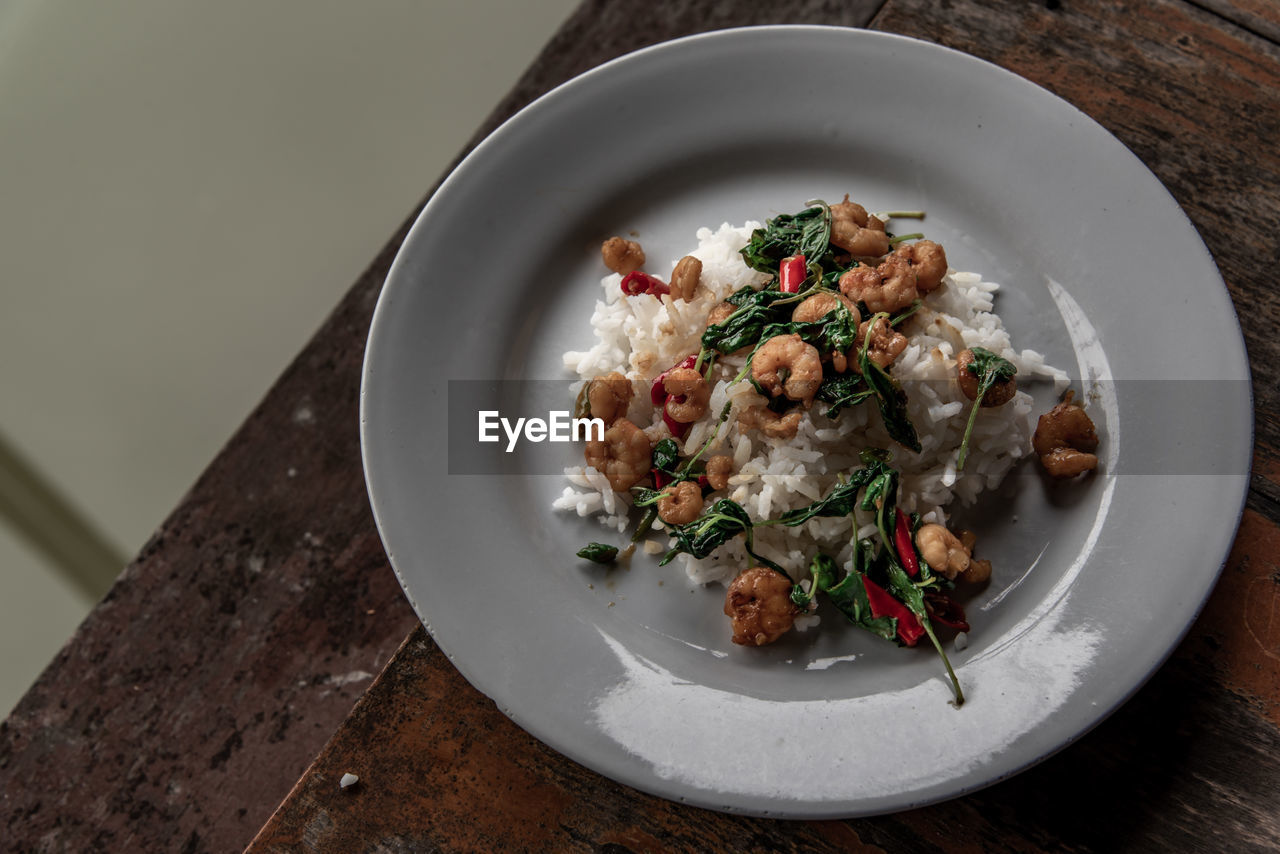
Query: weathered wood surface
x=1189, y=764
x=192, y=699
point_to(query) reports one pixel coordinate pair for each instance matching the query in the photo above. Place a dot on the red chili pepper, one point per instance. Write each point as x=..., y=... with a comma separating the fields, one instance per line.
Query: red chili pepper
x=791, y=274
x=945, y=611
x=883, y=605
x=906, y=549
x=657, y=393
x=660, y=478
x=636, y=283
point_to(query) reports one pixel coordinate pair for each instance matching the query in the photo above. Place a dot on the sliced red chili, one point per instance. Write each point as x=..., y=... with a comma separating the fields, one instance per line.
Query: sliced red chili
x=791, y=274
x=660, y=478
x=906, y=549
x=945, y=610
x=657, y=393
x=882, y=604
x=636, y=283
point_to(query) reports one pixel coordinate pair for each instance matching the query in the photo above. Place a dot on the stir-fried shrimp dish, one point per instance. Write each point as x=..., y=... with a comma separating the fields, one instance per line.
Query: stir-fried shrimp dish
x=793, y=410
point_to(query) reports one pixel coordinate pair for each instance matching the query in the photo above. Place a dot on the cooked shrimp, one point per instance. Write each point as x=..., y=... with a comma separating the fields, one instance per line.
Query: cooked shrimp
x=770, y=423
x=759, y=605
x=1065, y=440
x=688, y=393
x=1000, y=392
x=889, y=287
x=624, y=456
x=720, y=313
x=621, y=255
x=820, y=305
x=609, y=396
x=886, y=342
x=680, y=503
x=719, y=468
x=785, y=364
x=684, y=278
x=928, y=261
x=857, y=232
x=979, y=570
x=942, y=550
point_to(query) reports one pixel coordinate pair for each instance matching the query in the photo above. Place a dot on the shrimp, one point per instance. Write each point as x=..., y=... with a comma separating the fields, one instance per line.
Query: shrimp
x=820, y=305
x=889, y=287
x=624, y=456
x=719, y=468
x=684, y=278
x=945, y=553
x=886, y=343
x=622, y=256
x=770, y=423
x=759, y=606
x=1065, y=440
x=785, y=364
x=680, y=503
x=928, y=261
x=720, y=313
x=857, y=232
x=609, y=396
x=688, y=395
x=979, y=570
x=1000, y=392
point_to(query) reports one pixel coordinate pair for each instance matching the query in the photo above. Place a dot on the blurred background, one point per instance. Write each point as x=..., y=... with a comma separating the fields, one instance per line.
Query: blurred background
x=186, y=190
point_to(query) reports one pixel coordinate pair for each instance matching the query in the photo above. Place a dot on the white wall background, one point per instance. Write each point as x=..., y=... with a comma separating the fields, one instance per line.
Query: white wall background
x=186, y=190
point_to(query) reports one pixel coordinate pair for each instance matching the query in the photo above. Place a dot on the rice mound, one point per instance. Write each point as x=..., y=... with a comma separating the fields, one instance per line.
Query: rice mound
x=641, y=336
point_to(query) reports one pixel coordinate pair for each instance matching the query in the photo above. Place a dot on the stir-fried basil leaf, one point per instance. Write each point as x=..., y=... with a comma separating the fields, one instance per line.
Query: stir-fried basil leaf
x=842, y=390
x=892, y=403
x=838, y=502
x=746, y=327
x=644, y=497
x=989, y=369
x=848, y=595
x=718, y=524
x=913, y=597
x=822, y=574
x=747, y=294
x=807, y=233
x=598, y=552
x=666, y=457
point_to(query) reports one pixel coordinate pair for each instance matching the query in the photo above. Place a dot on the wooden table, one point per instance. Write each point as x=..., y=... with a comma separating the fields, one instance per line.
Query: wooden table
x=188, y=711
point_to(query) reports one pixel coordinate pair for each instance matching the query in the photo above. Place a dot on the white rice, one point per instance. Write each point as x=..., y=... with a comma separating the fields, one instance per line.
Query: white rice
x=642, y=336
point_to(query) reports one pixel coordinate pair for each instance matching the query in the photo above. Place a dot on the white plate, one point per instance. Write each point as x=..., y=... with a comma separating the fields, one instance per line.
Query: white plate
x=632, y=673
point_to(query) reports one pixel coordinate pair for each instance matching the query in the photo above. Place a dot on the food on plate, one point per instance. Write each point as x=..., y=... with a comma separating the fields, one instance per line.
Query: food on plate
x=759, y=606
x=1065, y=440
x=621, y=255
x=806, y=401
